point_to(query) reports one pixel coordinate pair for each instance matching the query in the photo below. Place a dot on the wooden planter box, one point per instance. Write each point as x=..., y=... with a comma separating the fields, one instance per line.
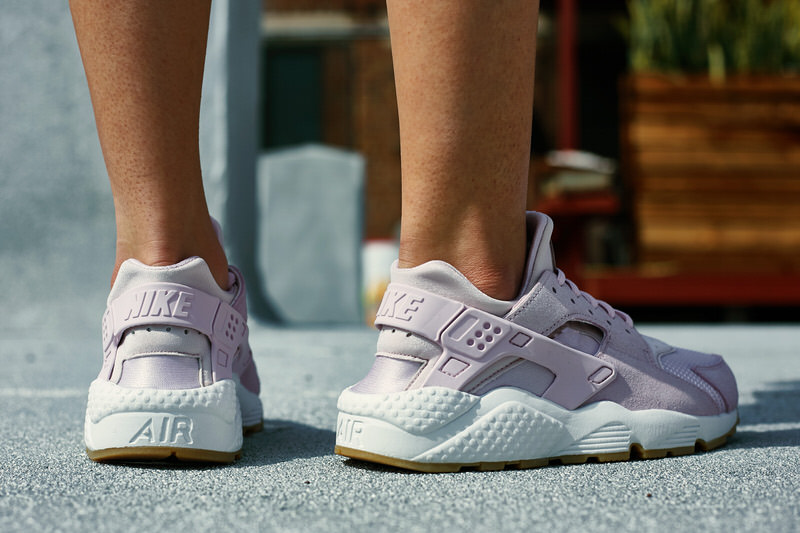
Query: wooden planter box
x=714, y=170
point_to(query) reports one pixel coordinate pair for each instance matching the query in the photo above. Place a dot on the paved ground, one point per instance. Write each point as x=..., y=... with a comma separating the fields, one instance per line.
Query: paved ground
x=289, y=480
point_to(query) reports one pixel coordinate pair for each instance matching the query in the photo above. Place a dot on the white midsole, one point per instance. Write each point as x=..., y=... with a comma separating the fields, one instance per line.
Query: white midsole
x=508, y=424
x=206, y=418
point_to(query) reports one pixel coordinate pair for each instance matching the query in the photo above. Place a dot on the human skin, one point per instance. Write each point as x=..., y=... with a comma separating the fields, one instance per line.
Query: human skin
x=464, y=72
x=144, y=65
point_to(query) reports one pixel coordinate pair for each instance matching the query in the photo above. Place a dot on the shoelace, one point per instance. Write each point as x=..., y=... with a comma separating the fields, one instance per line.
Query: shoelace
x=595, y=303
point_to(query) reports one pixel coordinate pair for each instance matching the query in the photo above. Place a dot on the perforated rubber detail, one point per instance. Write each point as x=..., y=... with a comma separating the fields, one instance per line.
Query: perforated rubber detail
x=106, y=398
x=635, y=451
x=510, y=426
x=511, y=431
x=418, y=411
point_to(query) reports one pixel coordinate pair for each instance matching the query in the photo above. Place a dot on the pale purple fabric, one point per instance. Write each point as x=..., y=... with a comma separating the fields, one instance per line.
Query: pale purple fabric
x=243, y=364
x=248, y=376
x=601, y=345
x=173, y=304
x=388, y=374
x=521, y=374
x=581, y=336
x=473, y=340
x=682, y=363
x=160, y=372
x=721, y=378
x=166, y=303
x=640, y=386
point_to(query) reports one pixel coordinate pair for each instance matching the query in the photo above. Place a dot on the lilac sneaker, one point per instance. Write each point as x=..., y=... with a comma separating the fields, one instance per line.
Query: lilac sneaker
x=178, y=377
x=463, y=380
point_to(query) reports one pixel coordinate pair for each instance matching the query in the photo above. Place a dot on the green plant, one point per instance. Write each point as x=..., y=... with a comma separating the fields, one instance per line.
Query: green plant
x=714, y=36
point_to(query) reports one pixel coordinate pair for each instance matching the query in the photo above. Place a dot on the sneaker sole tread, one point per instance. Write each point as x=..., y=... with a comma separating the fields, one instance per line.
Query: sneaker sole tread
x=166, y=453
x=446, y=430
x=635, y=452
x=118, y=417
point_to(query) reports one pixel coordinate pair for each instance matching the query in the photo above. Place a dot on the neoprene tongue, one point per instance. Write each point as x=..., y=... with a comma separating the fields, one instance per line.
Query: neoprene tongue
x=540, y=252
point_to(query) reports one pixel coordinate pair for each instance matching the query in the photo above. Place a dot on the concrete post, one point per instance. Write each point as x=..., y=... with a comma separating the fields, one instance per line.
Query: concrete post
x=56, y=211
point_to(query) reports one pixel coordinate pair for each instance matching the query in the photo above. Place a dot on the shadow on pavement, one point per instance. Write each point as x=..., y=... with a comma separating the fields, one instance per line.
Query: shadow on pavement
x=779, y=404
x=284, y=440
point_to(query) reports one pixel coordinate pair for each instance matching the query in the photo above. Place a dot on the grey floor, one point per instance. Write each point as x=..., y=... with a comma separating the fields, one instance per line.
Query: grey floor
x=289, y=480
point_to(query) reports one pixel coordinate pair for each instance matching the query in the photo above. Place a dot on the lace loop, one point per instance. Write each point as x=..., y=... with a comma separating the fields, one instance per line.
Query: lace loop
x=595, y=303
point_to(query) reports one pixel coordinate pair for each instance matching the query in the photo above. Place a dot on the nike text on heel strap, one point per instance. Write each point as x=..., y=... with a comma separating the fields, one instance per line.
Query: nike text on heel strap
x=172, y=304
x=472, y=340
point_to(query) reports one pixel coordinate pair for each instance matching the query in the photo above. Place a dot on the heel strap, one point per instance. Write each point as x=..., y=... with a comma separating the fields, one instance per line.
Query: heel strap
x=172, y=304
x=472, y=340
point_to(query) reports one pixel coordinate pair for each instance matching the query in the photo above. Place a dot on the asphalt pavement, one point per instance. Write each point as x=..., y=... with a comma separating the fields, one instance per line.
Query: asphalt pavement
x=289, y=479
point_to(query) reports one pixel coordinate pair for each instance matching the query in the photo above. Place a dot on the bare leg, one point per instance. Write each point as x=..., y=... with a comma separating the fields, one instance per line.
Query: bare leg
x=464, y=72
x=144, y=64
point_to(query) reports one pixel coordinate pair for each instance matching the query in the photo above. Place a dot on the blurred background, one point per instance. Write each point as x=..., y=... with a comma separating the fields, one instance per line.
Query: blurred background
x=666, y=146
x=666, y=140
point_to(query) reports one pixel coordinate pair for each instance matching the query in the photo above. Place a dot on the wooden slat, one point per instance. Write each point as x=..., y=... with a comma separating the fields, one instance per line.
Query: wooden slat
x=698, y=87
x=739, y=205
x=693, y=136
x=753, y=184
x=637, y=287
x=738, y=261
x=715, y=113
x=717, y=239
x=715, y=170
x=709, y=159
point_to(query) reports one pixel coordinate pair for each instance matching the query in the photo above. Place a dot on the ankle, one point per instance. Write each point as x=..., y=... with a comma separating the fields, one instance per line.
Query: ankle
x=498, y=285
x=491, y=273
x=171, y=251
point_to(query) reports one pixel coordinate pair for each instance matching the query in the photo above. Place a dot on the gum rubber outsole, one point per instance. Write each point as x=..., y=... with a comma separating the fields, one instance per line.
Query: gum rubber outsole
x=634, y=452
x=161, y=453
x=165, y=453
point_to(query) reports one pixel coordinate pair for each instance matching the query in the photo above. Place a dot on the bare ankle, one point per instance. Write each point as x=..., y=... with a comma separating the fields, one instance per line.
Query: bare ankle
x=494, y=274
x=499, y=286
x=164, y=253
